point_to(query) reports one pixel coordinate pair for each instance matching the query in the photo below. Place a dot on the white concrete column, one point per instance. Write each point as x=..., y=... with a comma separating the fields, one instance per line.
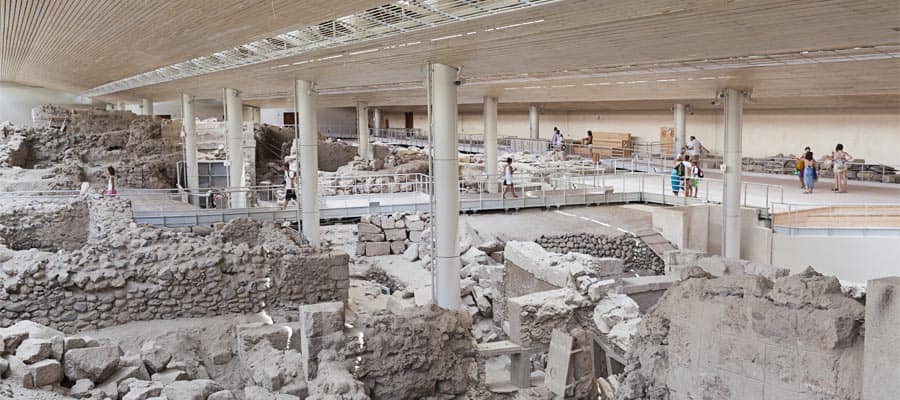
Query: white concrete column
x=534, y=120
x=362, y=124
x=189, y=135
x=679, y=128
x=446, y=184
x=309, y=159
x=490, y=142
x=731, y=229
x=146, y=107
x=234, y=146
x=377, y=120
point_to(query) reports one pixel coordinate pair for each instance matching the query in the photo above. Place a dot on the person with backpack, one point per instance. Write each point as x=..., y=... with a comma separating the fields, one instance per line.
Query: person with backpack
x=677, y=176
x=798, y=166
x=687, y=177
x=696, y=175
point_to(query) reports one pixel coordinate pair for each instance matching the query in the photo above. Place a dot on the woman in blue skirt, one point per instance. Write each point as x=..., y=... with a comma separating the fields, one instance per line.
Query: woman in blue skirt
x=809, y=172
x=677, y=176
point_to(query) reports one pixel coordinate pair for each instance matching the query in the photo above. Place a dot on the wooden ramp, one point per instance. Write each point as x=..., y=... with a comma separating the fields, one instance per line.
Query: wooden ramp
x=655, y=241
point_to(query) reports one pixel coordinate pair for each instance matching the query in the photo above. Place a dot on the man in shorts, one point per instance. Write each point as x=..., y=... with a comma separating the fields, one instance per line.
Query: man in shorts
x=290, y=182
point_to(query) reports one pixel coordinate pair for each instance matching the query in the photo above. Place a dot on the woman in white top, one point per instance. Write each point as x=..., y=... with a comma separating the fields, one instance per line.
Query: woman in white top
x=507, y=178
x=111, y=181
x=839, y=161
x=688, y=175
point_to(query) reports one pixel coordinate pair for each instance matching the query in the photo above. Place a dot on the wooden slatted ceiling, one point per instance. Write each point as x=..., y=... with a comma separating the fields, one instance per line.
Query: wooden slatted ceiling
x=76, y=44
x=574, y=34
x=585, y=34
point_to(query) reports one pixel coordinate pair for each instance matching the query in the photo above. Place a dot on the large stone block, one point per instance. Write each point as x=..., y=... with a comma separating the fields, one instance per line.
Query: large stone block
x=46, y=372
x=364, y=228
x=378, y=249
x=34, y=350
x=94, y=363
x=394, y=234
x=321, y=319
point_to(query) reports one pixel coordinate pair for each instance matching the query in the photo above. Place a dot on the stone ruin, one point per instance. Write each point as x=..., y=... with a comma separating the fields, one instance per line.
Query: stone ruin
x=124, y=272
x=69, y=146
x=740, y=336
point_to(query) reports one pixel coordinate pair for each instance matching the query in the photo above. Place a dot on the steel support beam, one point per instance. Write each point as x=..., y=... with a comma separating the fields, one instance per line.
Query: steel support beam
x=534, y=121
x=189, y=140
x=309, y=159
x=490, y=142
x=680, y=140
x=362, y=125
x=731, y=204
x=234, y=146
x=442, y=118
x=146, y=107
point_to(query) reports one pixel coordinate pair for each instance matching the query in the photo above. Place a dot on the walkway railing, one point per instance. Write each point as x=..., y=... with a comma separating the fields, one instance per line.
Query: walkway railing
x=867, y=219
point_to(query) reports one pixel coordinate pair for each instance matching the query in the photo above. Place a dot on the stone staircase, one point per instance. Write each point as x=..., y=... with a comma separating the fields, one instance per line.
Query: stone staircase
x=655, y=241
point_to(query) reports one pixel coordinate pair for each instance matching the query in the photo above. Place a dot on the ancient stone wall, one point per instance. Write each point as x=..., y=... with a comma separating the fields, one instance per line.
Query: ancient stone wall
x=427, y=352
x=127, y=272
x=746, y=337
x=380, y=235
x=635, y=252
x=47, y=226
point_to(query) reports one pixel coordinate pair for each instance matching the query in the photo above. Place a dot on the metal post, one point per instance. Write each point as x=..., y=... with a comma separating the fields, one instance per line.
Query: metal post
x=362, y=124
x=234, y=145
x=309, y=159
x=534, y=119
x=679, y=128
x=490, y=142
x=189, y=131
x=731, y=201
x=443, y=114
x=146, y=107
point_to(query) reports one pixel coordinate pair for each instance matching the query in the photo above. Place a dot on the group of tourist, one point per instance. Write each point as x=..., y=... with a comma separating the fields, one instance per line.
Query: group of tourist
x=557, y=142
x=686, y=172
x=686, y=176
x=806, y=169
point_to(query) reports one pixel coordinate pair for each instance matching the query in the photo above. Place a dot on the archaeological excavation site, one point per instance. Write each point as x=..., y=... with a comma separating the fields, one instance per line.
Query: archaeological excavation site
x=449, y=200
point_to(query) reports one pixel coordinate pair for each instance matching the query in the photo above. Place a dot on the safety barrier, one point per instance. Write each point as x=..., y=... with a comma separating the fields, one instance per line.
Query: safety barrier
x=860, y=219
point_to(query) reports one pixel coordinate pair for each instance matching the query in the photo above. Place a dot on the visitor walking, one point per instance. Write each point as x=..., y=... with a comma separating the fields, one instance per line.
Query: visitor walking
x=839, y=161
x=693, y=148
x=809, y=172
x=290, y=182
x=508, y=178
x=798, y=166
x=111, y=181
x=677, y=175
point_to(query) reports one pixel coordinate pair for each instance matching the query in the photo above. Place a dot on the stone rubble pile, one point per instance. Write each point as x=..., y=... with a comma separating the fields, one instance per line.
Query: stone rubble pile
x=859, y=169
x=617, y=317
x=636, y=254
x=422, y=352
x=254, y=361
x=398, y=233
x=799, y=331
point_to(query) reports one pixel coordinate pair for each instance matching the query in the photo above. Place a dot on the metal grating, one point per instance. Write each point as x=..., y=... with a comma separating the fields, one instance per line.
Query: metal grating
x=385, y=21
